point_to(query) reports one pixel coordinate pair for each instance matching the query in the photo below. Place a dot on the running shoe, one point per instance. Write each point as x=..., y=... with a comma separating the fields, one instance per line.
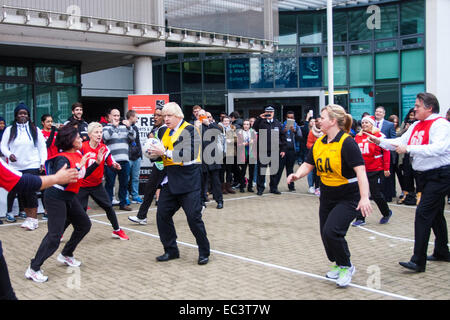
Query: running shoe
x=22, y=215
x=120, y=235
x=137, y=220
x=136, y=200
x=317, y=192
x=345, y=276
x=311, y=190
x=10, y=217
x=36, y=276
x=69, y=261
x=358, y=223
x=29, y=224
x=385, y=220
x=333, y=273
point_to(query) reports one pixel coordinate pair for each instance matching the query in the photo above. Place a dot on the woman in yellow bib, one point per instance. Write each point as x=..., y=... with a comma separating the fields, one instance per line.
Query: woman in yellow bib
x=344, y=187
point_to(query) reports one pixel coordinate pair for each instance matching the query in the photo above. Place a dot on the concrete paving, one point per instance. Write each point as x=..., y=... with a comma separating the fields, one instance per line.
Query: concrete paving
x=263, y=248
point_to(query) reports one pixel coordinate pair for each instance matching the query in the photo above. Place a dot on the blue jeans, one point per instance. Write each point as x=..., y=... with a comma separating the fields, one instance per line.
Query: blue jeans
x=124, y=175
x=135, y=166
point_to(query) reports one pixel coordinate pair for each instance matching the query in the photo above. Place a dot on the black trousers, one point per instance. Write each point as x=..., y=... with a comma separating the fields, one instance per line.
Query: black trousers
x=288, y=162
x=261, y=177
x=376, y=194
x=153, y=182
x=243, y=170
x=430, y=215
x=58, y=211
x=101, y=197
x=168, y=205
x=211, y=177
x=335, y=216
x=6, y=289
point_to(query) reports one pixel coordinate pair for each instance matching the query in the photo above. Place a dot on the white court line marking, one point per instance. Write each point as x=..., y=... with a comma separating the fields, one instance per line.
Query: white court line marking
x=270, y=265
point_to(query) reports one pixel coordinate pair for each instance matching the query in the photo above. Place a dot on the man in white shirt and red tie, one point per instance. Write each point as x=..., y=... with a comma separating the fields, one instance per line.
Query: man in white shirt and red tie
x=429, y=146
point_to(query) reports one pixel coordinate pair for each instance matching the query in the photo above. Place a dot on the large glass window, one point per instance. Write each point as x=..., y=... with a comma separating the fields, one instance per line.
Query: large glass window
x=53, y=73
x=413, y=65
x=238, y=73
x=339, y=71
x=11, y=94
x=287, y=29
x=361, y=100
x=409, y=93
x=388, y=23
x=361, y=70
x=286, y=73
x=387, y=96
x=310, y=72
x=172, y=77
x=386, y=67
x=55, y=100
x=261, y=72
x=13, y=71
x=214, y=74
x=310, y=28
x=215, y=103
x=357, y=26
x=192, y=75
x=339, y=27
x=412, y=17
x=157, y=79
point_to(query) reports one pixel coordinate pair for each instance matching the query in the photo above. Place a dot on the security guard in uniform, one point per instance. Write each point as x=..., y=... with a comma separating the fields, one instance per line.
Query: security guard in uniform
x=181, y=187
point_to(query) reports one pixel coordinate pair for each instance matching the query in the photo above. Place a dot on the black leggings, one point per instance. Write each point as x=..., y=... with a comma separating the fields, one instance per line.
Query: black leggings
x=155, y=178
x=376, y=194
x=98, y=193
x=58, y=211
x=6, y=290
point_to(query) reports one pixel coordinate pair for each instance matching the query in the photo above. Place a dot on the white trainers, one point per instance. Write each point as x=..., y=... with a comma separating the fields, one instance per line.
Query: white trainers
x=333, y=273
x=137, y=220
x=69, y=261
x=29, y=224
x=345, y=276
x=311, y=190
x=115, y=202
x=36, y=276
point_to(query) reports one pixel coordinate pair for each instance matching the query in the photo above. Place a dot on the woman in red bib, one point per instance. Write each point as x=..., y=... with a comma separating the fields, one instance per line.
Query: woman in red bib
x=377, y=162
x=62, y=205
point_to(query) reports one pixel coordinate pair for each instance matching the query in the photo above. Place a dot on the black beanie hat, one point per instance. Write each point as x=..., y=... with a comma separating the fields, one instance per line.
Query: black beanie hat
x=21, y=106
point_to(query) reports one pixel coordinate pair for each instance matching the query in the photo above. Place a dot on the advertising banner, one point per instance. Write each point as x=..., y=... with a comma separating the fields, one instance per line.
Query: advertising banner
x=145, y=106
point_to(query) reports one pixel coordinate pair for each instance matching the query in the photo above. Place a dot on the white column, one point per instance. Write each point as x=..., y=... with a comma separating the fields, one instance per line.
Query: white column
x=143, y=75
x=330, y=52
x=437, y=49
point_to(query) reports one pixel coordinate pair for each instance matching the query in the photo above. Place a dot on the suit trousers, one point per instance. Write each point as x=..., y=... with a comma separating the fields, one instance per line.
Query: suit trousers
x=430, y=215
x=288, y=161
x=375, y=191
x=168, y=205
x=274, y=177
x=213, y=177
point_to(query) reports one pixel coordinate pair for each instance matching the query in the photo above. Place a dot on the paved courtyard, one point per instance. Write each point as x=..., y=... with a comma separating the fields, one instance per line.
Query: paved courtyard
x=263, y=248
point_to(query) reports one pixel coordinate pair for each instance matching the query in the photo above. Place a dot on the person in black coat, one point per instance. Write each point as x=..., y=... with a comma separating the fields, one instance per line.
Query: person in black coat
x=181, y=187
x=266, y=124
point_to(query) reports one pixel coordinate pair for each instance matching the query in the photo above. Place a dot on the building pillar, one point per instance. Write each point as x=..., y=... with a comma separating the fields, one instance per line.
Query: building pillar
x=437, y=49
x=143, y=75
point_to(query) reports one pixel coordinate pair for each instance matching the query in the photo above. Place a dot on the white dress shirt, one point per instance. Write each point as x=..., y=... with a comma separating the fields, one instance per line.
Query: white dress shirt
x=429, y=156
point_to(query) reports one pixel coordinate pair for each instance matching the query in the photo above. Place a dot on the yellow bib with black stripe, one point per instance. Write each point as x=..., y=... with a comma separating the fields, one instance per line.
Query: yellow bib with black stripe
x=168, y=141
x=328, y=161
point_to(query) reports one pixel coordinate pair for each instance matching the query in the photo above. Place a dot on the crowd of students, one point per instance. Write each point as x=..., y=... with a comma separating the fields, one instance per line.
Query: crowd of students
x=240, y=151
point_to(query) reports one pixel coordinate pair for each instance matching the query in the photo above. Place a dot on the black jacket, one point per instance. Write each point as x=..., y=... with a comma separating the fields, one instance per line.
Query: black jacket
x=212, y=132
x=82, y=127
x=135, y=149
x=263, y=124
x=186, y=178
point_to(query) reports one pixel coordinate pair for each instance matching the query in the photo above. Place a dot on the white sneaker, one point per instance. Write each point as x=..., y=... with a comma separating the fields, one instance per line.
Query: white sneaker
x=115, y=202
x=70, y=261
x=333, y=273
x=28, y=224
x=317, y=192
x=311, y=190
x=137, y=220
x=35, y=223
x=36, y=276
x=345, y=276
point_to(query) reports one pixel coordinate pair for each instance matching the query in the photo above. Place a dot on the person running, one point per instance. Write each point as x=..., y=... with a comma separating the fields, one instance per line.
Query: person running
x=11, y=179
x=345, y=188
x=377, y=162
x=62, y=204
x=92, y=185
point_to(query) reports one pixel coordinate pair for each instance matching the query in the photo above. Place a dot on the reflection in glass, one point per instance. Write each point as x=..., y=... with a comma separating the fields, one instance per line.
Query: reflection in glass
x=357, y=27
x=288, y=29
x=11, y=94
x=261, y=72
x=214, y=74
x=56, y=100
x=310, y=28
x=340, y=71
x=361, y=70
x=286, y=73
x=389, y=22
x=412, y=17
x=172, y=77
x=310, y=72
x=192, y=75
x=339, y=27
x=238, y=73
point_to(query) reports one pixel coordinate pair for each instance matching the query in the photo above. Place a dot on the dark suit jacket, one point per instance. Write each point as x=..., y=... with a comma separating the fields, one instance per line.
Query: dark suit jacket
x=185, y=178
x=388, y=129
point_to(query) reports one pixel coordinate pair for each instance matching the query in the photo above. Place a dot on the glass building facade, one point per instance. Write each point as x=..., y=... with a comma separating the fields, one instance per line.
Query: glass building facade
x=46, y=87
x=379, y=59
